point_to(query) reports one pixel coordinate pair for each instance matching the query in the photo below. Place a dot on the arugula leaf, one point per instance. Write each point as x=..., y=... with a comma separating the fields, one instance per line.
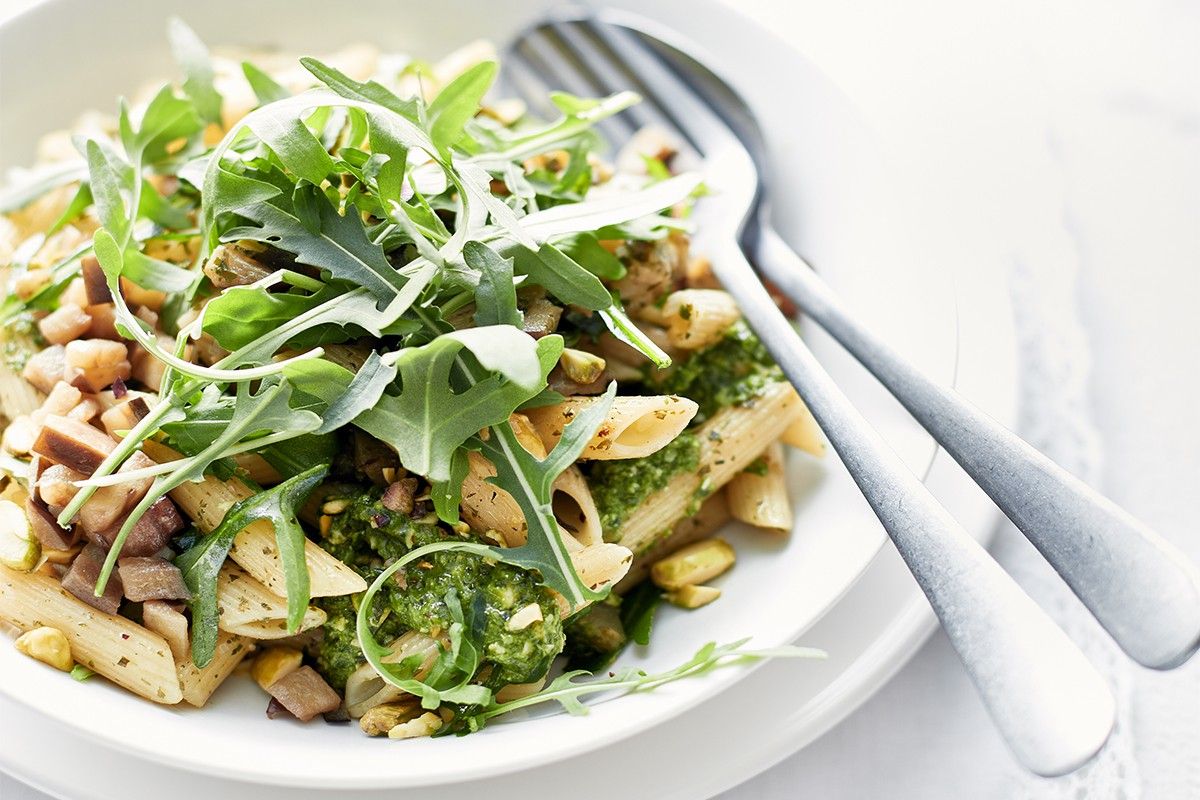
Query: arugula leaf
x=578, y=117
x=369, y=92
x=340, y=246
x=79, y=203
x=38, y=181
x=428, y=420
x=202, y=563
x=263, y=85
x=530, y=481
x=568, y=690
x=300, y=152
x=638, y=609
x=495, y=296
x=562, y=276
x=268, y=411
x=192, y=56
x=449, y=679
x=614, y=209
x=457, y=103
x=585, y=249
x=363, y=393
x=623, y=328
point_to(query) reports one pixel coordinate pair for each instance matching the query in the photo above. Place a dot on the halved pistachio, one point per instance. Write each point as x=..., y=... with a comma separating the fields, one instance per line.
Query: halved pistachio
x=694, y=564
x=693, y=596
x=19, y=549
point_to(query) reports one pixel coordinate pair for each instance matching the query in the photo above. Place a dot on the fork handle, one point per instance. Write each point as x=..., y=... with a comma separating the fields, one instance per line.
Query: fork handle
x=1048, y=701
x=1142, y=589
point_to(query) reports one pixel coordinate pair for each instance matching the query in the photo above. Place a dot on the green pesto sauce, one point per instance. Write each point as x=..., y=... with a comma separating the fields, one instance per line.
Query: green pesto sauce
x=727, y=373
x=618, y=487
x=367, y=537
x=21, y=340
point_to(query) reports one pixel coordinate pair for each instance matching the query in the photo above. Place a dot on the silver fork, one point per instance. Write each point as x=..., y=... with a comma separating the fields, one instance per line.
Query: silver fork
x=1049, y=703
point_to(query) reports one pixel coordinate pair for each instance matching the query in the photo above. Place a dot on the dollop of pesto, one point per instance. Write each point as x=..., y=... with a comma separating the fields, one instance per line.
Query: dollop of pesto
x=728, y=373
x=618, y=487
x=367, y=537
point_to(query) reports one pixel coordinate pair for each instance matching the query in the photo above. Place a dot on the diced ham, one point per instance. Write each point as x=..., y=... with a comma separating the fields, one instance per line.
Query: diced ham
x=167, y=620
x=305, y=694
x=80, y=580
x=67, y=323
x=20, y=435
x=74, y=293
x=45, y=527
x=152, y=578
x=93, y=364
x=87, y=409
x=95, y=283
x=46, y=368
x=76, y=444
x=56, y=485
x=109, y=503
x=149, y=535
x=104, y=321
x=123, y=416
x=147, y=369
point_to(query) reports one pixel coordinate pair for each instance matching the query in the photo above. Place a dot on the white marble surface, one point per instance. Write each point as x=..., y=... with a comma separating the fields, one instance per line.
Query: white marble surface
x=1072, y=131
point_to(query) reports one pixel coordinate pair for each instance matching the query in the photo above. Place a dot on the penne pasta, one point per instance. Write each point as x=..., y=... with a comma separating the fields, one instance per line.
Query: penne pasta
x=728, y=443
x=199, y=684
x=365, y=689
x=713, y=513
x=247, y=608
x=117, y=648
x=207, y=501
x=804, y=433
x=758, y=495
x=636, y=425
x=697, y=318
x=575, y=509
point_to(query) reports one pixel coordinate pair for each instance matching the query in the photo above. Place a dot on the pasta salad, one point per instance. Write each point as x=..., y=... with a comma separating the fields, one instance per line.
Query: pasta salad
x=345, y=371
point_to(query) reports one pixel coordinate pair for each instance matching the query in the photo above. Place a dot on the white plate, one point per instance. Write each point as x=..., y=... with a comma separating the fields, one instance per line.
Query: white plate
x=847, y=217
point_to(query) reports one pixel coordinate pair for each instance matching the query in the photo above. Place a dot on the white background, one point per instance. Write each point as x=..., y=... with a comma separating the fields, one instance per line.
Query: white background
x=1071, y=131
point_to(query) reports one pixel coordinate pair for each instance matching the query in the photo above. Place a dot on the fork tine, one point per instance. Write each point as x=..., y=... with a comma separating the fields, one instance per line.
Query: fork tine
x=522, y=79
x=541, y=55
x=607, y=73
x=659, y=82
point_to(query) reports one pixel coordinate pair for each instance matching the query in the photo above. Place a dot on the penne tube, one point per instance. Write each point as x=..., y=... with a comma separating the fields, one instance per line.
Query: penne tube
x=713, y=513
x=247, y=608
x=758, y=495
x=636, y=426
x=804, y=433
x=119, y=649
x=728, y=443
x=365, y=689
x=18, y=397
x=257, y=469
x=575, y=509
x=697, y=318
x=206, y=503
x=198, y=684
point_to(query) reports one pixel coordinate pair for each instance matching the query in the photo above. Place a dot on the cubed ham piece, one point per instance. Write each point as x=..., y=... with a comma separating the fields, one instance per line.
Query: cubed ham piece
x=46, y=368
x=146, y=369
x=95, y=284
x=109, y=503
x=73, y=443
x=45, y=527
x=305, y=694
x=167, y=620
x=61, y=399
x=104, y=321
x=150, y=534
x=123, y=416
x=80, y=580
x=93, y=364
x=152, y=578
x=56, y=485
x=65, y=324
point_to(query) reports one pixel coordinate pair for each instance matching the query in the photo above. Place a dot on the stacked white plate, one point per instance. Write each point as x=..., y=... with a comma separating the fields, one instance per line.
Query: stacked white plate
x=832, y=584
